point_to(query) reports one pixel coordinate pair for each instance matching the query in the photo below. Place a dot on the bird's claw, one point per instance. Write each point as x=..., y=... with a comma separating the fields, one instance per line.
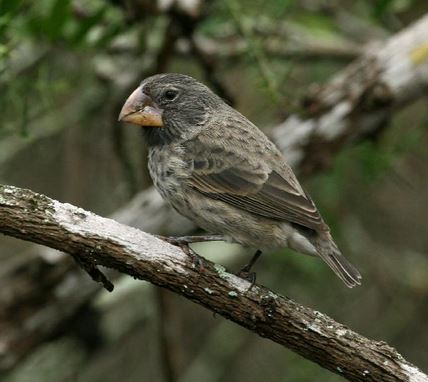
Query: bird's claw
x=246, y=274
x=183, y=243
x=197, y=261
x=249, y=276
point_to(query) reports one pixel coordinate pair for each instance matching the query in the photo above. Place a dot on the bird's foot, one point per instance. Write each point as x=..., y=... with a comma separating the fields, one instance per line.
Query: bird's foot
x=183, y=243
x=197, y=261
x=246, y=273
x=249, y=276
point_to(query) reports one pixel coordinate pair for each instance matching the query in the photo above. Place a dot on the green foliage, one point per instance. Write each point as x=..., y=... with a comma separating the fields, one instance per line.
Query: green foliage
x=49, y=20
x=34, y=39
x=60, y=21
x=380, y=8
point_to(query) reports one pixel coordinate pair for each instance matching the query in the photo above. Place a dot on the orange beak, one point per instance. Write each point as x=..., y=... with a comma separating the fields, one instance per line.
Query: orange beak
x=140, y=109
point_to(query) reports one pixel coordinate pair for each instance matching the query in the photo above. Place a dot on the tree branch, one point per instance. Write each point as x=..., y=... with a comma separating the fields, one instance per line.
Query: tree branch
x=39, y=219
x=235, y=49
x=358, y=101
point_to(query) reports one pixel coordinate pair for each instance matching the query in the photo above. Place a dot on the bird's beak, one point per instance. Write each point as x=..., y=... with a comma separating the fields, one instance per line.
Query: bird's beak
x=140, y=109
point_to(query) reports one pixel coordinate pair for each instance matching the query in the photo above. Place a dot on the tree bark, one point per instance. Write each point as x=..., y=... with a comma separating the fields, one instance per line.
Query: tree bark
x=101, y=241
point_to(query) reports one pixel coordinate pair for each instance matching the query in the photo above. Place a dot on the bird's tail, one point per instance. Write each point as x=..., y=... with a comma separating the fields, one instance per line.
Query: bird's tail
x=329, y=252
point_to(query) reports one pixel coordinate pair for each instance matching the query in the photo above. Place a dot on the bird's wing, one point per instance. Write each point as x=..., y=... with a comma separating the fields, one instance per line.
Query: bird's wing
x=233, y=172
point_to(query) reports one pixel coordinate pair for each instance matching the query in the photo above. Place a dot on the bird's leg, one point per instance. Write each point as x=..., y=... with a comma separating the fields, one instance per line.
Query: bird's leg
x=184, y=241
x=197, y=261
x=246, y=273
x=180, y=240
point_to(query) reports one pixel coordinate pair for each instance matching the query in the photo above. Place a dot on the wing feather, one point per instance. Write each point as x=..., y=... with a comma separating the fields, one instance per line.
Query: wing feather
x=274, y=198
x=252, y=177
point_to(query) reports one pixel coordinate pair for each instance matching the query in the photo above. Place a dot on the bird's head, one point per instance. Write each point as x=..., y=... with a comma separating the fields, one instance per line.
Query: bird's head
x=169, y=106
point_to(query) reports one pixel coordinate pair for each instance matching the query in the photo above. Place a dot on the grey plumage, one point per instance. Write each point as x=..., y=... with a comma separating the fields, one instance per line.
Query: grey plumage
x=218, y=169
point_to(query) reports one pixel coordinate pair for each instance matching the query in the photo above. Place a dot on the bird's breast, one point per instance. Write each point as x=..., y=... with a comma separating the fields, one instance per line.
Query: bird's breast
x=169, y=171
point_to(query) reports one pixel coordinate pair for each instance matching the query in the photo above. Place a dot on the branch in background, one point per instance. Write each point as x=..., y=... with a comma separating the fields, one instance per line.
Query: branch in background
x=296, y=33
x=236, y=48
x=33, y=217
x=280, y=39
x=358, y=101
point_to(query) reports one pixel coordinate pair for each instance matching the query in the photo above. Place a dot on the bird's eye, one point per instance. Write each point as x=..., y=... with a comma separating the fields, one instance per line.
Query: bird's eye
x=170, y=94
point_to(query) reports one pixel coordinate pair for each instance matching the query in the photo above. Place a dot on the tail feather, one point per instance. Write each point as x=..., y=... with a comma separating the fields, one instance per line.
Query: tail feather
x=329, y=252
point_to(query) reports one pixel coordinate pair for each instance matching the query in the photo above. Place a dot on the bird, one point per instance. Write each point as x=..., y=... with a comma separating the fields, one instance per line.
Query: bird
x=215, y=167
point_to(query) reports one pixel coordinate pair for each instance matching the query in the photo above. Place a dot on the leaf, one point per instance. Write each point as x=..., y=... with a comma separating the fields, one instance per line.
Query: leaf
x=60, y=13
x=9, y=6
x=85, y=25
